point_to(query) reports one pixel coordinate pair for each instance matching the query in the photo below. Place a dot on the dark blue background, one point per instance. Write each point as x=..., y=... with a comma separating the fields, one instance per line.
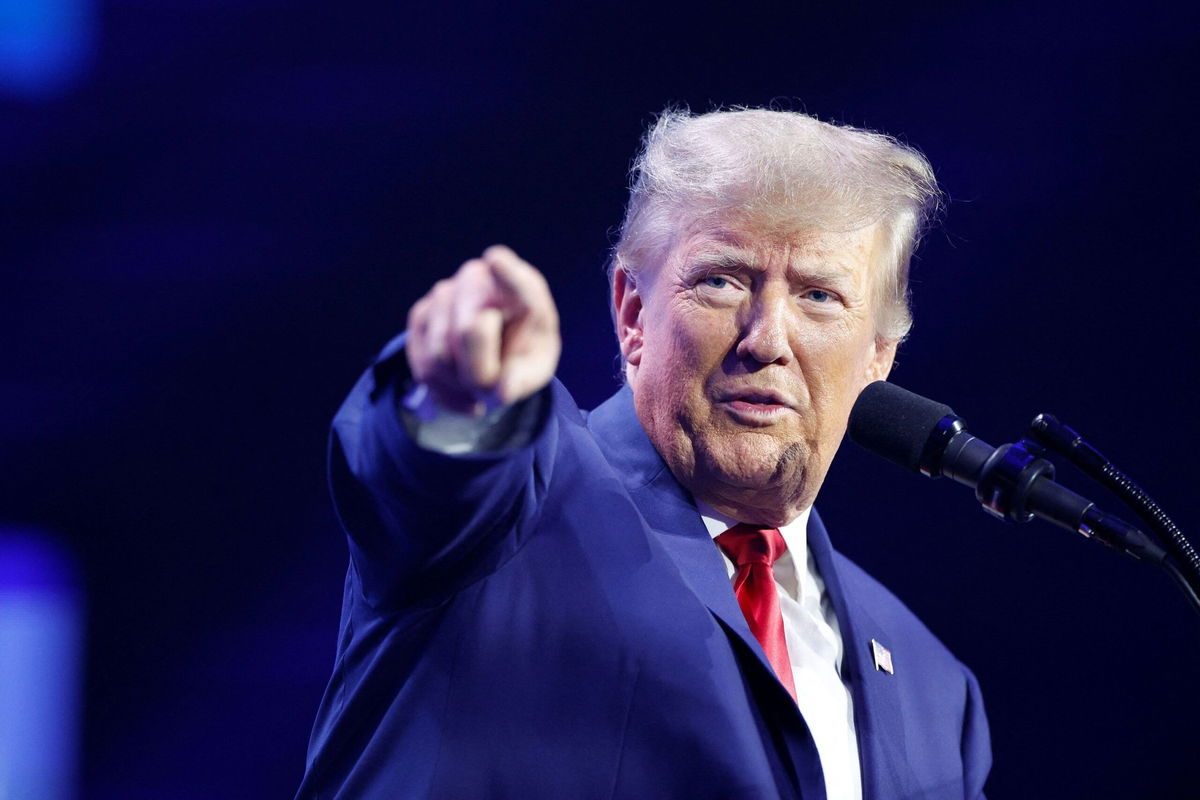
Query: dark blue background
x=207, y=234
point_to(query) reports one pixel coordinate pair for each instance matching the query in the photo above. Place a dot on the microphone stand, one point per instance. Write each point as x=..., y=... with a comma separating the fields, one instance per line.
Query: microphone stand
x=1182, y=563
x=1015, y=482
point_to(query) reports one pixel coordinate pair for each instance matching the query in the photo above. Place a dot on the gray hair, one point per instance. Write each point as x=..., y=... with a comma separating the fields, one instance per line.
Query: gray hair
x=778, y=167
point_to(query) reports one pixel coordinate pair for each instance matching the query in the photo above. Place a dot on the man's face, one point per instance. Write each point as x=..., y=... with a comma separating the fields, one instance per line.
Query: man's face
x=746, y=349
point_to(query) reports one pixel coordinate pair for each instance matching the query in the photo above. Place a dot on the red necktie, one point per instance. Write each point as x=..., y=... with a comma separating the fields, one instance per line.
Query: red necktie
x=753, y=550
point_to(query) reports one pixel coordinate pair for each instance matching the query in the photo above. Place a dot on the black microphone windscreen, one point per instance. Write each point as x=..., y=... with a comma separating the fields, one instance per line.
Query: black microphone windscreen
x=895, y=423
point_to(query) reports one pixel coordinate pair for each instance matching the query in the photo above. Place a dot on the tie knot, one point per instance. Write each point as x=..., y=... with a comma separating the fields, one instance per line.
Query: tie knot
x=752, y=544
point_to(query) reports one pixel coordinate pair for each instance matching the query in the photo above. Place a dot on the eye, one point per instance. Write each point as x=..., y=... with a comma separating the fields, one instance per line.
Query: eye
x=821, y=296
x=716, y=282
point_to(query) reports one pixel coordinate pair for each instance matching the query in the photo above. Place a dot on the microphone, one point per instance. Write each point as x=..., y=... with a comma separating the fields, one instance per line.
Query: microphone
x=917, y=433
x=1011, y=481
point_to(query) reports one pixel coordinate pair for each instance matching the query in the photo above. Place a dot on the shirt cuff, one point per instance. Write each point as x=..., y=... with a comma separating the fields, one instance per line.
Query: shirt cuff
x=499, y=429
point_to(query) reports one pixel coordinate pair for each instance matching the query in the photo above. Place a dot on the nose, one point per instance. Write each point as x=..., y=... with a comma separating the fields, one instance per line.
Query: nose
x=766, y=331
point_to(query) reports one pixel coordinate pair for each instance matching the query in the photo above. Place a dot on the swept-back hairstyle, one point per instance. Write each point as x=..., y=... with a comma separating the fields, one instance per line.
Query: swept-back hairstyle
x=778, y=167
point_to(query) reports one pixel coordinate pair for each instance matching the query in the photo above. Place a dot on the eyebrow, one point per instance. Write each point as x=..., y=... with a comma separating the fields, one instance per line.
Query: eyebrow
x=723, y=258
x=736, y=259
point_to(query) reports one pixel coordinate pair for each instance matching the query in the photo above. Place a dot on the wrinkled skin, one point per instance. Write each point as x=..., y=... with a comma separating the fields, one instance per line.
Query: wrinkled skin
x=746, y=349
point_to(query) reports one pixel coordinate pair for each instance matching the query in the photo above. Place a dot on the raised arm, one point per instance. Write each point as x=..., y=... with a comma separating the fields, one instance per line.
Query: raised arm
x=421, y=521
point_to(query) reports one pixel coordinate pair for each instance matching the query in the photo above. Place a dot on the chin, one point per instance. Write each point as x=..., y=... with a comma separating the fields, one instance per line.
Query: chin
x=758, y=464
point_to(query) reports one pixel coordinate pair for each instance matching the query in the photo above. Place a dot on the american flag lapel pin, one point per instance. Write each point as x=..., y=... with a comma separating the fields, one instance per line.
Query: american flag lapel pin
x=883, y=657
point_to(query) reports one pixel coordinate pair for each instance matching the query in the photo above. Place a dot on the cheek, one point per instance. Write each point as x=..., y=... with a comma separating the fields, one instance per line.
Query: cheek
x=679, y=340
x=680, y=354
x=842, y=360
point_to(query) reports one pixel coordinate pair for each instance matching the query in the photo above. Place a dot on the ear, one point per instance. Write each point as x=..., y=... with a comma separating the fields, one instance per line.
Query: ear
x=881, y=363
x=627, y=312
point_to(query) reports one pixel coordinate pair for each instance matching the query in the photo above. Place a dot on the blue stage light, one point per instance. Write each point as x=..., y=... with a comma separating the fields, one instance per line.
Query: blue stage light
x=41, y=666
x=45, y=45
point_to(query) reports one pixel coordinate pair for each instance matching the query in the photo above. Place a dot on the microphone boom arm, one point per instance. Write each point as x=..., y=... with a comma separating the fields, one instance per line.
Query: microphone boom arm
x=1013, y=481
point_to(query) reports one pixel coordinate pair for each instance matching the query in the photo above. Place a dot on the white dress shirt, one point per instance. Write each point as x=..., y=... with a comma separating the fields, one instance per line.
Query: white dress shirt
x=814, y=645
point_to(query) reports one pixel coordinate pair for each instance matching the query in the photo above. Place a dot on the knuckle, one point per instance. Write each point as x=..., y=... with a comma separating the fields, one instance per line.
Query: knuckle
x=418, y=312
x=453, y=340
x=478, y=332
x=472, y=268
x=419, y=364
x=473, y=333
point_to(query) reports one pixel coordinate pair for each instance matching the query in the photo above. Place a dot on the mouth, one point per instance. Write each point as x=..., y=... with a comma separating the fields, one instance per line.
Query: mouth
x=756, y=406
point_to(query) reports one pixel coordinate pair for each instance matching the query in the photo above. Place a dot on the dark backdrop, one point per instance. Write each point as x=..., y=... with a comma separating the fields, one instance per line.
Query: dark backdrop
x=209, y=229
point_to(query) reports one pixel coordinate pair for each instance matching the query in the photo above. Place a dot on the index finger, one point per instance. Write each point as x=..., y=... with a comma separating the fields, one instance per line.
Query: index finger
x=516, y=278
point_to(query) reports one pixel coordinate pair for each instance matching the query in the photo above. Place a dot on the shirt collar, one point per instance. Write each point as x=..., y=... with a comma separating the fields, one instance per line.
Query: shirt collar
x=795, y=533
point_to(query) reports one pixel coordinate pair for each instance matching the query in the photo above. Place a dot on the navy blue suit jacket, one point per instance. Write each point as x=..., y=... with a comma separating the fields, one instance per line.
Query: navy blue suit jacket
x=555, y=622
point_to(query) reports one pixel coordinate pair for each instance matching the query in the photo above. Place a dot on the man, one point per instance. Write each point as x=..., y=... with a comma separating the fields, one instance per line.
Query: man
x=536, y=606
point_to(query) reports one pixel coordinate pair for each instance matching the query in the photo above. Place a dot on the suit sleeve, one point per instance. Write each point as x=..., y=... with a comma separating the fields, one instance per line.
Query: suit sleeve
x=420, y=523
x=976, y=741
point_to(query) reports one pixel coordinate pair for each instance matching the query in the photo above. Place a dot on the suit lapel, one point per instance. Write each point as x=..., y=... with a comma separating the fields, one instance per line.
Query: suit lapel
x=675, y=522
x=878, y=714
x=671, y=515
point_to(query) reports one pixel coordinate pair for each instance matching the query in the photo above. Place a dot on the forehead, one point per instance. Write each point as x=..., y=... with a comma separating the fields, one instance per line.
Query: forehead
x=749, y=242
